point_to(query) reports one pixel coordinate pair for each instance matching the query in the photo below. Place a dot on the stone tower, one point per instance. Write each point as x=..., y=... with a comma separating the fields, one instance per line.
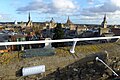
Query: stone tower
x=104, y=23
x=70, y=25
x=103, y=29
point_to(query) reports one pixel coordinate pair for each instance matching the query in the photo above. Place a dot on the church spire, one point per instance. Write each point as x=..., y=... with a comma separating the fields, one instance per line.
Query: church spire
x=104, y=23
x=29, y=18
x=105, y=18
x=52, y=18
x=68, y=21
x=29, y=23
x=68, y=18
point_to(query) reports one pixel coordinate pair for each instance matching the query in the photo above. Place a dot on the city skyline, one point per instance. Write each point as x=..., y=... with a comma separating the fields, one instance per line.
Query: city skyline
x=80, y=11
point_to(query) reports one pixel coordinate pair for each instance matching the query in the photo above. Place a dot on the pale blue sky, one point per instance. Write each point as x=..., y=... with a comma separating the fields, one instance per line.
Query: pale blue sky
x=80, y=11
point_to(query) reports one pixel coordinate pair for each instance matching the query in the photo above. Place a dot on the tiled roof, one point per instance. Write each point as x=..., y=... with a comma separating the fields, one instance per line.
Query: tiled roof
x=116, y=31
x=2, y=47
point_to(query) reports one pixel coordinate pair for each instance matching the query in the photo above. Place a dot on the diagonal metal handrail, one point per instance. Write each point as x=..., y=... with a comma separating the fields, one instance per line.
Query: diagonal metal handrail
x=98, y=59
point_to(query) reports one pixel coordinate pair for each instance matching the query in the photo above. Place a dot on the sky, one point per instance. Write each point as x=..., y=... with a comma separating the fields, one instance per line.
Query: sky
x=79, y=11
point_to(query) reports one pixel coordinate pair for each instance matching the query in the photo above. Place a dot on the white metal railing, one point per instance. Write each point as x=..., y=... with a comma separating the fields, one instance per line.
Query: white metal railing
x=72, y=50
x=56, y=41
x=60, y=40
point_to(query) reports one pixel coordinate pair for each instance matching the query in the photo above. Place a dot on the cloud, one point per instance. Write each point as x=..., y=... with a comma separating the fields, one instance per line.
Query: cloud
x=97, y=11
x=0, y=16
x=4, y=17
x=94, y=10
x=66, y=6
x=90, y=1
x=52, y=7
x=35, y=5
x=116, y=2
x=107, y=6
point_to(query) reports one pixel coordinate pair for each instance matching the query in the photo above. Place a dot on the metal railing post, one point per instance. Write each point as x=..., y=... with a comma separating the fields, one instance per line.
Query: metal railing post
x=72, y=50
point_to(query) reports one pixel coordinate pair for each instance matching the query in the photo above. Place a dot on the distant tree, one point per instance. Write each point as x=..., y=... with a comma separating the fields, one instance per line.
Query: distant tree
x=58, y=34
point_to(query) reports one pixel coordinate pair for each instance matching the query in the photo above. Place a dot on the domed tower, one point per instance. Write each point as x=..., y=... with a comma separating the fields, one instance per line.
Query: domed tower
x=52, y=24
x=52, y=21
